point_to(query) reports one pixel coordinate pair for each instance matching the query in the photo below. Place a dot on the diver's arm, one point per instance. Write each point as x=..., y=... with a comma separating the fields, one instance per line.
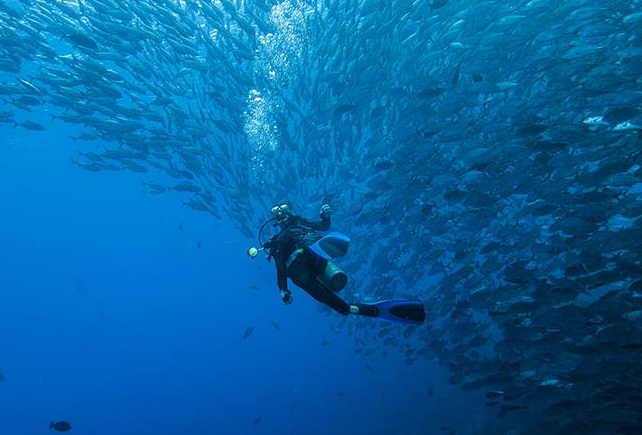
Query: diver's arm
x=267, y=246
x=281, y=276
x=282, y=281
x=324, y=223
x=271, y=246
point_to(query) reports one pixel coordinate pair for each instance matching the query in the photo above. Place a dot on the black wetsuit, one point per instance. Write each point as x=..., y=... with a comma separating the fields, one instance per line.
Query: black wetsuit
x=299, y=233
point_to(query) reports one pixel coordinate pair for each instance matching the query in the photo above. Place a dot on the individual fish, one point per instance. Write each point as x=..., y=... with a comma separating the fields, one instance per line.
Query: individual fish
x=621, y=114
x=27, y=100
x=196, y=205
x=155, y=188
x=454, y=81
x=61, y=426
x=86, y=136
x=494, y=394
x=431, y=92
x=81, y=40
x=627, y=126
x=186, y=187
x=249, y=331
x=436, y=4
x=504, y=85
x=30, y=125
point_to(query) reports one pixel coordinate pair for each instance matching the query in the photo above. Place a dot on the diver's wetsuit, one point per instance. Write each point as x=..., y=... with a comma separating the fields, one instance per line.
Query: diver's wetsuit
x=299, y=233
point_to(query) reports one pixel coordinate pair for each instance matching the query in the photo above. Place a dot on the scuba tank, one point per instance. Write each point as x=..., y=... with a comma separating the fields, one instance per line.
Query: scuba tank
x=333, y=277
x=330, y=247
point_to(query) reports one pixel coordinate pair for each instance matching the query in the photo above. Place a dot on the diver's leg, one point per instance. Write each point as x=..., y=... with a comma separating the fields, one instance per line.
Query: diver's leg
x=318, y=291
x=304, y=271
x=324, y=295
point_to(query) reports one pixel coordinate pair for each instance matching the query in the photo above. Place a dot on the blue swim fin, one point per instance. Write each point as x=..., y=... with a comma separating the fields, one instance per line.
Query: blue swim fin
x=331, y=246
x=401, y=311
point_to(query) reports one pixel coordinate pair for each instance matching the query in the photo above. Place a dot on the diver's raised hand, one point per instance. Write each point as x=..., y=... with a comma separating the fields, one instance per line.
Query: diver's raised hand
x=286, y=296
x=325, y=211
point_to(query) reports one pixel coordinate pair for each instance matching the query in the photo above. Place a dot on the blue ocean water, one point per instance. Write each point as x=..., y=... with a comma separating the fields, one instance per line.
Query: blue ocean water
x=483, y=157
x=112, y=319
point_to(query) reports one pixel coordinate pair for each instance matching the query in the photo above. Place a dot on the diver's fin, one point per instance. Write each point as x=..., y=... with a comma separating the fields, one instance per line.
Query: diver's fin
x=401, y=311
x=331, y=246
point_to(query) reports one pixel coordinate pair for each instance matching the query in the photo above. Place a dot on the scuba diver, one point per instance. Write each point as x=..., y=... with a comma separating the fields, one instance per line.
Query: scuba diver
x=306, y=257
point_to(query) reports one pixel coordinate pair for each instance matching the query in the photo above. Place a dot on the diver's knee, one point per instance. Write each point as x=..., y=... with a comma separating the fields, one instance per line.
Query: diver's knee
x=345, y=310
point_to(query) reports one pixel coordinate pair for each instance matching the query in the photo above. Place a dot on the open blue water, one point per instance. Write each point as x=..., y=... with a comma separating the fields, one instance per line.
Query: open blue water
x=111, y=318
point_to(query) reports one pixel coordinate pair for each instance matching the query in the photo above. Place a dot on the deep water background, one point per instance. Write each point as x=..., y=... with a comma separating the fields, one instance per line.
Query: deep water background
x=112, y=318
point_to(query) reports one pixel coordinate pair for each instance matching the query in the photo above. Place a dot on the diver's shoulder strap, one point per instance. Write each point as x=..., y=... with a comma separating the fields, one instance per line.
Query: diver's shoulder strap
x=293, y=256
